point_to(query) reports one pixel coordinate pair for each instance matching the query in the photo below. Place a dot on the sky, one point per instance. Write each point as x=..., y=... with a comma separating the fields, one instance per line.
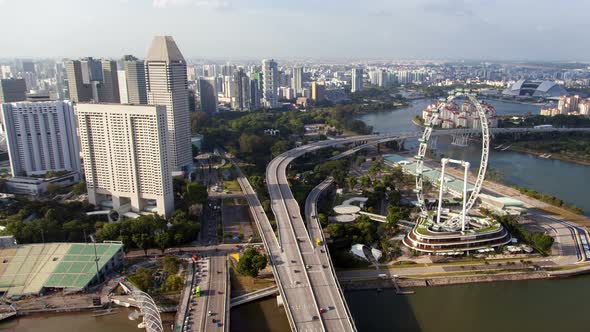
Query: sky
x=534, y=30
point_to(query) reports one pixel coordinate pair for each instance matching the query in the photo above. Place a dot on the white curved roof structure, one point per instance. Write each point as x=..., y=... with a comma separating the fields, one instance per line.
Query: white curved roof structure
x=346, y=209
x=535, y=88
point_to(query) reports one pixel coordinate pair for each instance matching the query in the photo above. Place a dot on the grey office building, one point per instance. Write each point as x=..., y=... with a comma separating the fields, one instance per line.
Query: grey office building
x=254, y=95
x=12, y=89
x=135, y=75
x=93, y=80
x=108, y=91
x=79, y=91
x=208, y=94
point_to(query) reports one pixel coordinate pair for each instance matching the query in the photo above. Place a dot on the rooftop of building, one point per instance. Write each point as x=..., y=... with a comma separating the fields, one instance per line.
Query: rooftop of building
x=27, y=269
x=164, y=48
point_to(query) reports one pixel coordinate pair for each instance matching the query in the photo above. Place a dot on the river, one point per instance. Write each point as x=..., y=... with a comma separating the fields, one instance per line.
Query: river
x=563, y=179
x=533, y=305
x=82, y=321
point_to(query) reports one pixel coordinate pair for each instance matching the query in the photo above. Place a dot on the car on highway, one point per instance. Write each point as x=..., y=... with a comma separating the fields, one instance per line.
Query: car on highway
x=296, y=271
x=308, y=267
x=322, y=310
x=209, y=313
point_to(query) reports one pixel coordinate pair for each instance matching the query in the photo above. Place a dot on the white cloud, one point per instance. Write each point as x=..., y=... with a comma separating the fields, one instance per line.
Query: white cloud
x=208, y=4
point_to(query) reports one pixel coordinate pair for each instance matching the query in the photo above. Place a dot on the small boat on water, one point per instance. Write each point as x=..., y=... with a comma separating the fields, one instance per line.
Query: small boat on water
x=506, y=148
x=499, y=147
x=545, y=155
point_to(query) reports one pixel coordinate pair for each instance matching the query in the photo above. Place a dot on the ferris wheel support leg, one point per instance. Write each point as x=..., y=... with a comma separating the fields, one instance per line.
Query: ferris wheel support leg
x=444, y=162
x=464, y=212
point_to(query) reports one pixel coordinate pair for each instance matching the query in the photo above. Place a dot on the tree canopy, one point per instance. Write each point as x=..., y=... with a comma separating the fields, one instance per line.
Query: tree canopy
x=251, y=263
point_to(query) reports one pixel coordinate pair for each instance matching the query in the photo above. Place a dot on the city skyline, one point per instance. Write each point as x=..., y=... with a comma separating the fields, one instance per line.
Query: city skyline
x=425, y=29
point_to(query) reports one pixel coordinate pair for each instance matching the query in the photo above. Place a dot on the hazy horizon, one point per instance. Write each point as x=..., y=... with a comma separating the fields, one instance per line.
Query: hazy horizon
x=492, y=30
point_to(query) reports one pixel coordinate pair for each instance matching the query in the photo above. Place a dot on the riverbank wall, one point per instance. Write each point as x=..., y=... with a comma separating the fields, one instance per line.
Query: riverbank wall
x=376, y=283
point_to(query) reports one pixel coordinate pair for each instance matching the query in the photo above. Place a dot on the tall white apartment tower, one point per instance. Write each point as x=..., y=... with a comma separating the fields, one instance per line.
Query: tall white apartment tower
x=166, y=84
x=41, y=137
x=270, y=83
x=297, y=82
x=357, y=79
x=125, y=153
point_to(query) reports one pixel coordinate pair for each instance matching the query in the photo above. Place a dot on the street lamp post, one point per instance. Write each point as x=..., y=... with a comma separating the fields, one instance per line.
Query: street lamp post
x=95, y=257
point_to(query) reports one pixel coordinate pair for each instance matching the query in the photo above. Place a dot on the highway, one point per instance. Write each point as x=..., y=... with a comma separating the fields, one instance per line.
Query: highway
x=217, y=293
x=308, y=262
x=292, y=294
x=316, y=233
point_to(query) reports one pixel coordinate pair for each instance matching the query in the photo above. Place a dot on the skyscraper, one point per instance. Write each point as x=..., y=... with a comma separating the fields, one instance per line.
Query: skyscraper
x=91, y=70
x=382, y=78
x=108, y=91
x=125, y=152
x=41, y=137
x=123, y=93
x=254, y=94
x=135, y=75
x=241, y=85
x=318, y=91
x=297, y=81
x=270, y=83
x=357, y=79
x=208, y=94
x=91, y=79
x=79, y=91
x=166, y=85
x=13, y=89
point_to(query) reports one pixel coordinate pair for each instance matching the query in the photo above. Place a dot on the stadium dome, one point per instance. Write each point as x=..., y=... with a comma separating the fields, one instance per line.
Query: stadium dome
x=533, y=88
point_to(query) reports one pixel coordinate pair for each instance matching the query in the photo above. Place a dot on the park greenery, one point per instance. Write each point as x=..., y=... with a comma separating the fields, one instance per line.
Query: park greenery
x=377, y=98
x=35, y=221
x=242, y=133
x=540, y=241
x=549, y=199
x=251, y=263
x=570, y=146
x=47, y=221
x=558, y=121
x=162, y=278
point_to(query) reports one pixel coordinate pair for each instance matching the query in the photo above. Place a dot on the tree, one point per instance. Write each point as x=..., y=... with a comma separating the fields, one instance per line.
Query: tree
x=79, y=188
x=350, y=182
x=323, y=219
x=196, y=193
x=251, y=263
x=336, y=231
x=142, y=278
x=280, y=147
x=365, y=181
x=162, y=241
x=256, y=181
x=172, y=283
x=143, y=241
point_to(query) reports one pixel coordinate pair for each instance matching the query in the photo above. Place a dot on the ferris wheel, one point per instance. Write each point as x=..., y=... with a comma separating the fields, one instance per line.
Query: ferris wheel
x=457, y=221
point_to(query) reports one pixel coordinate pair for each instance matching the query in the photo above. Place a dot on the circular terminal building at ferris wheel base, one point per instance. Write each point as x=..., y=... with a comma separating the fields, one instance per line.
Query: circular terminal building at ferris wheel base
x=483, y=235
